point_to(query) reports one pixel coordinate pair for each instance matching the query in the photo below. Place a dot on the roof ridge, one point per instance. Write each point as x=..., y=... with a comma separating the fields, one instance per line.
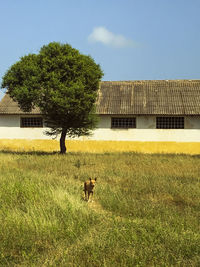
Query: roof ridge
x=174, y=80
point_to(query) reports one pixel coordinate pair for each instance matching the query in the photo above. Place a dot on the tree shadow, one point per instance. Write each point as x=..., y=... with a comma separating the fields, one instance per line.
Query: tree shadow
x=38, y=153
x=41, y=153
x=196, y=156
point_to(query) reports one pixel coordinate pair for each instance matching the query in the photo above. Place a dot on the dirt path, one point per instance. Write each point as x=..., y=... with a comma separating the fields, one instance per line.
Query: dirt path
x=96, y=206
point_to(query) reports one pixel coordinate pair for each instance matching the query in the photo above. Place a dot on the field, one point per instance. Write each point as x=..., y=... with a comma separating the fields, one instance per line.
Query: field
x=145, y=210
x=18, y=145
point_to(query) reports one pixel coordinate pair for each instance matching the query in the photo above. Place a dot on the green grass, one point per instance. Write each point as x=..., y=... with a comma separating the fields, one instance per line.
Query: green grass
x=146, y=210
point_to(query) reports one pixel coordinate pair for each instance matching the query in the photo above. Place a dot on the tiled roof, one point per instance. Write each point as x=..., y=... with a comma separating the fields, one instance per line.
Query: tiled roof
x=8, y=106
x=172, y=97
x=158, y=97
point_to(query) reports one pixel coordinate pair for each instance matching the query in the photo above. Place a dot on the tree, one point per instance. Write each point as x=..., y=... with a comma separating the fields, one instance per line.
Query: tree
x=63, y=83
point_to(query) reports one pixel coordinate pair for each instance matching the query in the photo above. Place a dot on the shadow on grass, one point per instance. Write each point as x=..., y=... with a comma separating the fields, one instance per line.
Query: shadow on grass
x=38, y=153
x=46, y=153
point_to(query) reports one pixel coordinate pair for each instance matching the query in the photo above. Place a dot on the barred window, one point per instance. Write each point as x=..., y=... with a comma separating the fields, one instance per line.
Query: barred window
x=31, y=122
x=123, y=123
x=170, y=122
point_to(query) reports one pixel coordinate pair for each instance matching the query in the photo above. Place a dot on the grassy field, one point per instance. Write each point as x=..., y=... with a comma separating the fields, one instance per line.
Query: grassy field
x=22, y=145
x=145, y=210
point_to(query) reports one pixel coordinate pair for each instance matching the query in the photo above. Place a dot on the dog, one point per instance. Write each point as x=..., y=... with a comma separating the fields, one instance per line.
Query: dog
x=88, y=188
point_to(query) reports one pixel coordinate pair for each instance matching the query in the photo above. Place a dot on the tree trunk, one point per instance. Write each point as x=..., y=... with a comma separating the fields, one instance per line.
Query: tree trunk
x=62, y=141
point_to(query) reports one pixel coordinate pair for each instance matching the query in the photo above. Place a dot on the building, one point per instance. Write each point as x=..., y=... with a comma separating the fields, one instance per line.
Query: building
x=160, y=110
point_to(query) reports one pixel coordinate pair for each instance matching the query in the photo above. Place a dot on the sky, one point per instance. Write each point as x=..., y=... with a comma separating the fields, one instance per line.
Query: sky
x=130, y=39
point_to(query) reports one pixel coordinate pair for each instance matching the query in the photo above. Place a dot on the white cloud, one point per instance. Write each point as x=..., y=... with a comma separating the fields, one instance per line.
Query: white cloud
x=102, y=35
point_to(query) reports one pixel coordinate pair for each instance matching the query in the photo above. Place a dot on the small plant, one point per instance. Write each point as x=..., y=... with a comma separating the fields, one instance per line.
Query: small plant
x=77, y=164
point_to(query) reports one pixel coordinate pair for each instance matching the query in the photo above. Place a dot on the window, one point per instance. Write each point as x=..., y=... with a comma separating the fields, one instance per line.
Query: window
x=170, y=122
x=31, y=122
x=123, y=123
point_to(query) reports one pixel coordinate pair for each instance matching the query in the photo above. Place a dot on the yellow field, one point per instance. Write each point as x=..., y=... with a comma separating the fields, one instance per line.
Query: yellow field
x=99, y=146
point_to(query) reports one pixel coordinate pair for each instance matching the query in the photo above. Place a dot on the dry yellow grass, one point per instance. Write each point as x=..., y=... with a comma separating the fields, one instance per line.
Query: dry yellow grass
x=20, y=145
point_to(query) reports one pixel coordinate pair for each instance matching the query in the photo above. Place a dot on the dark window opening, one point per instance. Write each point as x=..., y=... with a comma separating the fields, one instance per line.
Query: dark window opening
x=170, y=122
x=31, y=122
x=123, y=123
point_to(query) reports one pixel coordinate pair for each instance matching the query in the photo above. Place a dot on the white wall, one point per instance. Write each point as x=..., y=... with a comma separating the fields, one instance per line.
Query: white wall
x=10, y=128
x=146, y=131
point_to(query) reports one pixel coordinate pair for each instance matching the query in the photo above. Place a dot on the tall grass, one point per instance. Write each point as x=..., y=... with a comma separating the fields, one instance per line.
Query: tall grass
x=100, y=146
x=145, y=210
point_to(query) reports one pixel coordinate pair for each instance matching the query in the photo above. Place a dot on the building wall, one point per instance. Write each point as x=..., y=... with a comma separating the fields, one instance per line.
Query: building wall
x=145, y=131
x=10, y=129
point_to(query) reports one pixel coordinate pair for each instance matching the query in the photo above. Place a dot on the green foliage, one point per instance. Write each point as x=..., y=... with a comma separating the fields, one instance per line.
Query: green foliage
x=62, y=82
x=145, y=210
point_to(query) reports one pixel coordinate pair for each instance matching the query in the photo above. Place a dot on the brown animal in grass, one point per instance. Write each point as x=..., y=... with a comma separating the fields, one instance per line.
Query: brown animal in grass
x=88, y=188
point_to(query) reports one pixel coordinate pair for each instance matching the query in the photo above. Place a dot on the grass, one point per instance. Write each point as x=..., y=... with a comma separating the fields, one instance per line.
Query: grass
x=146, y=209
x=21, y=145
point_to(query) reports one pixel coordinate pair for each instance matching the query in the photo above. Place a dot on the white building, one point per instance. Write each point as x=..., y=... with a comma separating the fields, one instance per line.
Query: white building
x=128, y=111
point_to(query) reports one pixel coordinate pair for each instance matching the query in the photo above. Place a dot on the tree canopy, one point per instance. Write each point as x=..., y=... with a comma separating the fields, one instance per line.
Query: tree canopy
x=63, y=83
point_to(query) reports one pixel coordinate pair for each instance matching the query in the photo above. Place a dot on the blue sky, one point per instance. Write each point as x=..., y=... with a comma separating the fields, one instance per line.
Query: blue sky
x=130, y=39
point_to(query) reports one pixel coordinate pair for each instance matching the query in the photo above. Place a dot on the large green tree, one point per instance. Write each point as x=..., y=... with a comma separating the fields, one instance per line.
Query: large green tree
x=63, y=83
